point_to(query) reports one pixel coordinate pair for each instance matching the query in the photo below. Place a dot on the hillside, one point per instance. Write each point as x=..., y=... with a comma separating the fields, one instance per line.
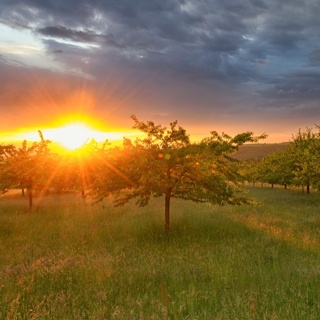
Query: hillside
x=258, y=151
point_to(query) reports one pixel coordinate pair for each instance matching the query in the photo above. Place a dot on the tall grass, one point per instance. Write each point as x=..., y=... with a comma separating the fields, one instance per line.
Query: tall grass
x=72, y=260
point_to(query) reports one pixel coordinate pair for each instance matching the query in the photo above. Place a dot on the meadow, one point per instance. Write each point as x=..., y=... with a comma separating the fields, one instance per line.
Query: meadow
x=70, y=259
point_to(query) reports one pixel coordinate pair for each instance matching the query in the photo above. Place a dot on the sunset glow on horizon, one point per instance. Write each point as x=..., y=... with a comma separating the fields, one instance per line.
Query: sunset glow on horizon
x=227, y=67
x=69, y=135
x=75, y=135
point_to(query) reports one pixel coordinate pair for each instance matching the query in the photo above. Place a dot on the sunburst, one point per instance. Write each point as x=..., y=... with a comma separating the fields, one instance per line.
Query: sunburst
x=74, y=135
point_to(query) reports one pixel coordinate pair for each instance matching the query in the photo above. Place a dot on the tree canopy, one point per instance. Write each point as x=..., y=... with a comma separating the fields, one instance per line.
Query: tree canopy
x=166, y=163
x=297, y=164
x=27, y=167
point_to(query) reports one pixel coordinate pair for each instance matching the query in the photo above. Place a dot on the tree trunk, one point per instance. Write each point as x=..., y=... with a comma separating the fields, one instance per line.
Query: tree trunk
x=167, y=209
x=30, y=196
x=285, y=187
x=308, y=188
x=22, y=192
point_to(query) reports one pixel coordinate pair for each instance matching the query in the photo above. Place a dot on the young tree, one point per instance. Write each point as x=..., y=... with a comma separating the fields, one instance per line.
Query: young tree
x=165, y=163
x=284, y=162
x=6, y=151
x=277, y=168
x=250, y=170
x=305, y=150
x=29, y=167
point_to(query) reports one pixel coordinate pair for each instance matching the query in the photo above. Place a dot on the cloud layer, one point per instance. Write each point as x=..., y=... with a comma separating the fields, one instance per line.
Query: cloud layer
x=212, y=63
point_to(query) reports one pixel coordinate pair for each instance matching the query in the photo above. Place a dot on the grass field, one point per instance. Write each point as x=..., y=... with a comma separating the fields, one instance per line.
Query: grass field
x=72, y=260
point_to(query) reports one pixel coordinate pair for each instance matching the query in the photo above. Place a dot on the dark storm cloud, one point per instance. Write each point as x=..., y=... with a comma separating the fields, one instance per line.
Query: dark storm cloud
x=66, y=33
x=258, y=52
x=298, y=86
x=314, y=58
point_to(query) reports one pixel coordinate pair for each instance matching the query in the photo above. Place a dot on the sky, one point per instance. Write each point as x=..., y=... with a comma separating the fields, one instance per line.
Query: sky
x=232, y=66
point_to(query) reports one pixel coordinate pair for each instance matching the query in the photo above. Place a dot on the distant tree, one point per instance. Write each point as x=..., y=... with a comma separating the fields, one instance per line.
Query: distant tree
x=250, y=171
x=6, y=152
x=85, y=162
x=284, y=163
x=165, y=163
x=74, y=170
x=29, y=168
x=305, y=150
x=277, y=168
x=297, y=164
x=61, y=180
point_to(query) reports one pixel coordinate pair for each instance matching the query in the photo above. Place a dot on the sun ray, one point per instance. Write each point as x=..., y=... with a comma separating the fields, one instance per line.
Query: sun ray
x=74, y=135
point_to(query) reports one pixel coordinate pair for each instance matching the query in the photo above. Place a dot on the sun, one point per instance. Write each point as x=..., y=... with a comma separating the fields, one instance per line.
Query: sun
x=74, y=135
x=70, y=135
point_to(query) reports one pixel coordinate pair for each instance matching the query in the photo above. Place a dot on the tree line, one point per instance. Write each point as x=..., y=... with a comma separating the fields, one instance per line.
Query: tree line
x=164, y=163
x=298, y=164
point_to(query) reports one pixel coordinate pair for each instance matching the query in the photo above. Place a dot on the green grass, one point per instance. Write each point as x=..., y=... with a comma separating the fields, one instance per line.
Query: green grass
x=72, y=260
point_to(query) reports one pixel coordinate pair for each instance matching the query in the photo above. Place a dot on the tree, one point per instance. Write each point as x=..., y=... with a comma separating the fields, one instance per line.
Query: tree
x=297, y=164
x=84, y=163
x=165, y=163
x=305, y=150
x=6, y=151
x=277, y=168
x=284, y=163
x=29, y=168
x=250, y=170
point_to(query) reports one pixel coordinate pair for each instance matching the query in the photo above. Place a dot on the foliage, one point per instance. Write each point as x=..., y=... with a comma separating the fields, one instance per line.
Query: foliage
x=277, y=168
x=76, y=167
x=165, y=163
x=27, y=167
x=297, y=164
x=250, y=171
x=6, y=151
x=305, y=149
